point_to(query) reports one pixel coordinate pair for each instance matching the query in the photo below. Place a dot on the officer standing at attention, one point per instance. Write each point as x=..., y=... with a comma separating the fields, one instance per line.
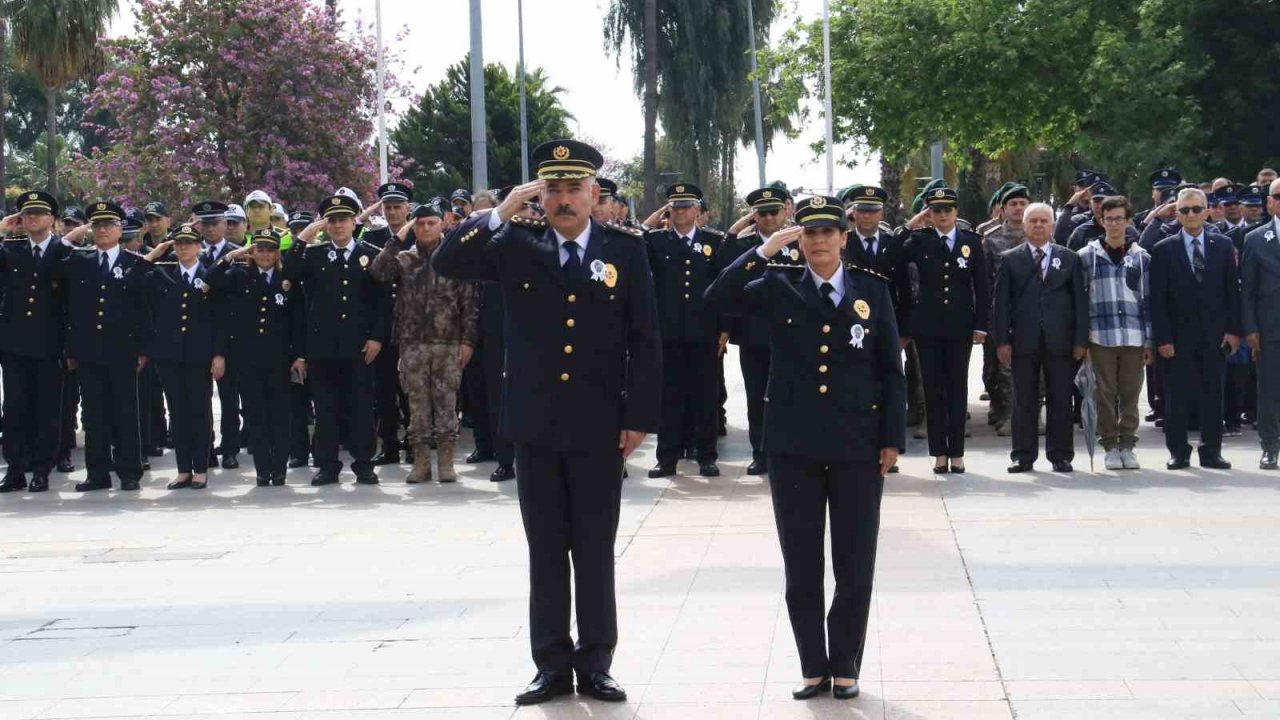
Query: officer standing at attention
x=835, y=421
x=1260, y=283
x=582, y=389
x=269, y=335
x=394, y=199
x=684, y=262
x=949, y=318
x=185, y=348
x=31, y=338
x=347, y=324
x=212, y=218
x=106, y=334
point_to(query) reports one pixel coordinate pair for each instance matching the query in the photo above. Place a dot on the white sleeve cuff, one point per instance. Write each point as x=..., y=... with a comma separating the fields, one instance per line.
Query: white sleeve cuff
x=761, y=254
x=495, y=221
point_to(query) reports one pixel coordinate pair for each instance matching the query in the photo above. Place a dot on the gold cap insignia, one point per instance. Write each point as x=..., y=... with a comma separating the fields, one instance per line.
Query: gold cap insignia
x=679, y=188
x=768, y=193
x=862, y=308
x=940, y=193
x=560, y=153
x=32, y=196
x=206, y=207
x=818, y=202
x=101, y=206
x=335, y=201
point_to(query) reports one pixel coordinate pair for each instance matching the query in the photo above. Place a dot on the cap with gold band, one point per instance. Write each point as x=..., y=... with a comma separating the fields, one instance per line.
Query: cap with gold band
x=105, y=210
x=395, y=191
x=210, y=211
x=185, y=234
x=266, y=236
x=866, y=197
x=941, y=197
x=684, y=194
x=566, y=159
x=821, y=211
x=338, y=206
x=37, y=200
x=766, y=198
x=608, y=188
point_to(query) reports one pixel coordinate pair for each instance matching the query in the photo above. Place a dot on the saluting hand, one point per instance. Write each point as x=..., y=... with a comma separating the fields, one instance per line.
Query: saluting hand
x=518, y=196
x=159, y=250
x=781, y=239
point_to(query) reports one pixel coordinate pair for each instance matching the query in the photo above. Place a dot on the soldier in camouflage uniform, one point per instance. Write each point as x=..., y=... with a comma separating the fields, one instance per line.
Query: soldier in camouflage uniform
x=436, y=326
x=1006, y=235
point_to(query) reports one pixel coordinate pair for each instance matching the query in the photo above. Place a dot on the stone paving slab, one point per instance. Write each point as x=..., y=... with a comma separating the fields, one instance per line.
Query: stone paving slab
x=1143, y=594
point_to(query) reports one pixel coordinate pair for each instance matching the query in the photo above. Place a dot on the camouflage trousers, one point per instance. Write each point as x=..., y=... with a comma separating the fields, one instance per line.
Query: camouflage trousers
x=431, y=377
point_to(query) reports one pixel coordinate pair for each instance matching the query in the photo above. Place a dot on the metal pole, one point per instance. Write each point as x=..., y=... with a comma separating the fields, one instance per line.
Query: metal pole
x=935, y=160
x=755, y=83
x=826, y=62
x=382, y=98
x=479, y=149
x=524, y=113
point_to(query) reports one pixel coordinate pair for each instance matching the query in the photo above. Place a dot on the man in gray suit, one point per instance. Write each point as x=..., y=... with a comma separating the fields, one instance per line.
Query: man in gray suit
x=1260, y=291
x=1042, y=322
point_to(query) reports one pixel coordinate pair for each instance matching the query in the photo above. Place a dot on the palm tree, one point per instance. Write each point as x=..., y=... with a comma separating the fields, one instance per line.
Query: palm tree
x=57, y=41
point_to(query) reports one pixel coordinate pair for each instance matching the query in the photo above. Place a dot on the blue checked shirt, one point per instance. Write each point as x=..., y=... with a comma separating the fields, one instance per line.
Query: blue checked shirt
x=1119, y=296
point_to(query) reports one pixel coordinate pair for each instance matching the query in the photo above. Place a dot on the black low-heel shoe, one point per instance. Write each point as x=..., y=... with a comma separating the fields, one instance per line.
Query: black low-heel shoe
x=941, y=469
x=804, y=691
x=845, y=692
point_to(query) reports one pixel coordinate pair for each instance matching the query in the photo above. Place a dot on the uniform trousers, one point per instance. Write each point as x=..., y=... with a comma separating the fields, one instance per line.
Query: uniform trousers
x=343, y=394
x=1193, y=380
x=1268, y=367
x=67, y=418
x=32, y=410
x=689, y=400
x=229, y=402
x=387, y=387
x=299, y=414
x=188, y=387
x=569, y=502
x=266, y=405
x=944, y=370
x=494, y=359
x=805, y=492
x=1058, y=372
x=754, y=360
x=109, y=392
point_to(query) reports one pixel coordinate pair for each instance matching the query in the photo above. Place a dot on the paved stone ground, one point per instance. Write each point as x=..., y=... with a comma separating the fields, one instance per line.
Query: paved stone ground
x=1140, y=595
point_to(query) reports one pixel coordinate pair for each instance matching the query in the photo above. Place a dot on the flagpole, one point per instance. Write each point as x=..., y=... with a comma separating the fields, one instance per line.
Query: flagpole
x=382, y=97
x=524, y=115
x=826, y=63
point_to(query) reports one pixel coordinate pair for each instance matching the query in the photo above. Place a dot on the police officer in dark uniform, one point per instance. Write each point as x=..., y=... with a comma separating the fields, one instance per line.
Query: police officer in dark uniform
x=32, y=332
x=185, y=349
x=1161, y=180
x=299, y=392
x=684, y=261
x=1078, y=207
x=212, y=224
x=834, y=425
x=581, y=391
x=347, y=324
x=395, y=198
x=265, y=307
x=1260, y=284
x=947, y=320
x=106, y=334
x=750, y=332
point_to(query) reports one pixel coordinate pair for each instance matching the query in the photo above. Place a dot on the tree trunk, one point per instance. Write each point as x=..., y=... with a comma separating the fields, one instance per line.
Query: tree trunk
x=650, y=107
x=891, y=181
x=730, y=160
x=4, y=106
x=51, y=139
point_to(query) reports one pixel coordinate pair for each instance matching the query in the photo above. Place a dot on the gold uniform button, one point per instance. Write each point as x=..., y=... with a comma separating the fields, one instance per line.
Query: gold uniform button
x=686, y=284
x=826, y=329
x=788, y=321
x=875, y=407
x=686, y=296
x=946, y=302
x=31, y=300
x=104, y=287
x=344, y=282
x=823, y=349
x=822, y=389
x=564, y=377
x=99, y=327
x=822, y=368
x=184, y=294
x=29, y=313
x=573, y=298
x=568, y=349
x=688, y=272
x=568, y=323
x=262, y=321
x=262, y=331
x=344, y=298
x=344, y=317
x=526, y=286
x=688, y=262
x=183, y=329
x=100, y=313
x=184, y=317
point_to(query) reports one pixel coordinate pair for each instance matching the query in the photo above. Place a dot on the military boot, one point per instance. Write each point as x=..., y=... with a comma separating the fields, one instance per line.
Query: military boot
x=444, y=457
x=421, y=471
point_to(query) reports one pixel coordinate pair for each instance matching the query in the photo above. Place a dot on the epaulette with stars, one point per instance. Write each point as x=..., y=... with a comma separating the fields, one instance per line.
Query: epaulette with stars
x=865, y=271
x=712, y=231
x=633, y=232
x=531, y=223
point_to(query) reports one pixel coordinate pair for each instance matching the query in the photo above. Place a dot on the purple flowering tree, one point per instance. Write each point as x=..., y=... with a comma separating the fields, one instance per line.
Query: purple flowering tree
x=214, y=98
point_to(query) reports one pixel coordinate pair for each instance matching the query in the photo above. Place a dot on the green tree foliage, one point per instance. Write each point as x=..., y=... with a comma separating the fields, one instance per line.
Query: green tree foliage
x=433, y=139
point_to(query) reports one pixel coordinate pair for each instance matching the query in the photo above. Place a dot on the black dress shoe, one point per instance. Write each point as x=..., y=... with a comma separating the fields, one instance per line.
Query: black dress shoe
x=297, y=462
x=278, y=480
x=324, y=477
x=1021, y=467
x=544, y=687
x=941, y=469
x=722, y=431
x=39, y=483
x=367, y=477
x=478, y=456
x=132, y=485
x=146, y=465
x=91, y=485
x=65, y=466
x=661, y=471
x=153, y=451
x=805, y=691
x=845, y=692
x=1268, y=461
x=1062, y=466
x=263, y=482
x=1177, y=463
x=230, y=462
x=1151, y=417
x=13, y=483
x=386, y=458
x=893, y=470
x=1215, y=463
x=601, y=686
x=758, y=467
x=179, y=483
x=957, y=469
x=708, y=470
x=503, y=472
x=1159, y=422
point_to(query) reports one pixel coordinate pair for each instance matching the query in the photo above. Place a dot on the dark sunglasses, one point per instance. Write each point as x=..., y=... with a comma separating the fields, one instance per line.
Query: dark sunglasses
x=768, y=213
x=1275, y=196
x=943, y=209
x=1190, y=209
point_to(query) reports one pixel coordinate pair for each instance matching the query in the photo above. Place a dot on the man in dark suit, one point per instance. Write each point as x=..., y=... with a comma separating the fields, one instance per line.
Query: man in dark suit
x=32, y=330
x=834, y=425
x=1042, y=322
x=1260, y=291
x=106, y=335
x=1195, y=315
x=685, y=259
x=582, y=389
x=212, y=223
x=347, y=323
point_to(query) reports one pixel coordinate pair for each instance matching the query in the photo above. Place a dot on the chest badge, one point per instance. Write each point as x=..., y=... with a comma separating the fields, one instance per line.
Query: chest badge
x=706, y=250
x=794, y=255
x=964, y=251
x=862, y=308
x=117, y=272
x=962, y=263
x=856, y=335
x=597, y=270
x=280, y=299
x=285, y=285
x=364, y=261
x=332, y=256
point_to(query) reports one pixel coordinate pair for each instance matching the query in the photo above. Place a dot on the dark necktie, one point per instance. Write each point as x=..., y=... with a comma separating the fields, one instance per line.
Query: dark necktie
x=871, y=247
x=36, y=251
x=1197, y=259
x=186, y=279
x=104, y=266
x=1040, y=263
x=827, y=288
x=572, y=266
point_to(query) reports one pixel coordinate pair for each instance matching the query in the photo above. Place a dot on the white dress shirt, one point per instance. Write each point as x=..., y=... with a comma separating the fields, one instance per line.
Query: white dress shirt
x=836, y=280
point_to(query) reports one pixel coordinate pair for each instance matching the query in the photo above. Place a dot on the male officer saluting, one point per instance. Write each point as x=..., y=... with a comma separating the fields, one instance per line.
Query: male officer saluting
x=582, y=390
x=834, y=425
x=212, y=217
x=347, y=323
x=31, y=338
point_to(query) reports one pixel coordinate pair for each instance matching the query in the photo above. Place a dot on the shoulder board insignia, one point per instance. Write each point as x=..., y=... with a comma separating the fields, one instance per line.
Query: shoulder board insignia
x=165, y=262
x=865, y=271
x=712, y=231
x=528, y=222
x=633, y=232
x=773, y=265
x=322, y=244
x=16, y=238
